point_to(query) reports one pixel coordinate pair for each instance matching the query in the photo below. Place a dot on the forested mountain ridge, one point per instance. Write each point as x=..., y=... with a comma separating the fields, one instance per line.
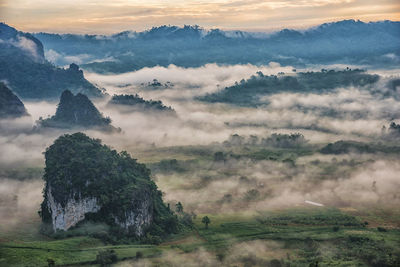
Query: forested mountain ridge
x=373, y=43
x=24, y=67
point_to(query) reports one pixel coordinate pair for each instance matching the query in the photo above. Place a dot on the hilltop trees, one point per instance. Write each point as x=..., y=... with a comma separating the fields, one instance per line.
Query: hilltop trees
x=136, y=103
x=179, y=207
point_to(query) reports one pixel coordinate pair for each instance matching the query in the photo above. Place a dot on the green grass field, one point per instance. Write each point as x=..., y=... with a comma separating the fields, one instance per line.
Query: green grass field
x=293, y=237
x=70, y=251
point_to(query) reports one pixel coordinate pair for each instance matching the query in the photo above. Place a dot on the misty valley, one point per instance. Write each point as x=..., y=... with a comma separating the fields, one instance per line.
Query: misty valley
x=179, y=146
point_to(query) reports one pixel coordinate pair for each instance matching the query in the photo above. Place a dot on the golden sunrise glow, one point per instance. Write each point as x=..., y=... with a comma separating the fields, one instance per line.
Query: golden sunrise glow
x=95, y=16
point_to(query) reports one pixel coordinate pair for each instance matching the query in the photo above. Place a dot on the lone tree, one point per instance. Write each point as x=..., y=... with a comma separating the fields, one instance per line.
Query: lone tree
x=51, y=262
x=179, y=207
x=219, y=156
x=139, y=255
x=106, y=257
x=206, y=221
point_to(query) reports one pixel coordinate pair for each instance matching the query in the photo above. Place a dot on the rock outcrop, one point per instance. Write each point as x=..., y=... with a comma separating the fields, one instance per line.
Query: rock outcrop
x=10, y=105
x=134, y=220
x=73, y=212
x=87, y=181
x=138, y=216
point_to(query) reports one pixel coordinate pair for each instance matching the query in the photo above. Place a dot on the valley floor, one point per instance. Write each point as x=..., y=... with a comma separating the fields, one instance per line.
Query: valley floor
x=296, y=237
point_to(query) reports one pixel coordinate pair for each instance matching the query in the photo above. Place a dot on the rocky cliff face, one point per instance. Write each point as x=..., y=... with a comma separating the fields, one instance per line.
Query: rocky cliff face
x=138, y=217
x=74, y=211
x=66, y=215
x=87, y=181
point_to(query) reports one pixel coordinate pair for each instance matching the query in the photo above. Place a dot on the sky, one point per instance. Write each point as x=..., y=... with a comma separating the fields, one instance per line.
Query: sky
x=105, y=17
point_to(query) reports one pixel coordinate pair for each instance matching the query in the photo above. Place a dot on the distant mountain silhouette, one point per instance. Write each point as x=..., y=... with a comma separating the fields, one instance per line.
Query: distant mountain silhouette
x=76, y=111
x=345, y=42
x=24, y=67
x=10, y=105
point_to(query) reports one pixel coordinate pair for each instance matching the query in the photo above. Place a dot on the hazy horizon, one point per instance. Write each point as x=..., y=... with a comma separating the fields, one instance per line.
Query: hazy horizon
x=265, y=32
x=97, y=17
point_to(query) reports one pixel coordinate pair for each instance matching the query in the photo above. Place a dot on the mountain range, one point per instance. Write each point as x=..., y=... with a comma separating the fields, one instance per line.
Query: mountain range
x=347, y=42
x=26, y=71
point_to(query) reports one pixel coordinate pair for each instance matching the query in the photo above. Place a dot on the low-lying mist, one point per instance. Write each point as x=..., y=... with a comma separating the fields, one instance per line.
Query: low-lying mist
x=19, y=202
x=237, y=185
x=245, y=186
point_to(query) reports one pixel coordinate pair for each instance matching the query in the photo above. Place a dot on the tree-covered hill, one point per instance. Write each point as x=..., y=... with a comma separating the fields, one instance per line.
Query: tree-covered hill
x=88, y=181
x=30, y=75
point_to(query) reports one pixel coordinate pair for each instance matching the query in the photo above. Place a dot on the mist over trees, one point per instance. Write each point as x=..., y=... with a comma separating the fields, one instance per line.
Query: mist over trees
x=278, y=140
x=137, y=103
x=250, y=91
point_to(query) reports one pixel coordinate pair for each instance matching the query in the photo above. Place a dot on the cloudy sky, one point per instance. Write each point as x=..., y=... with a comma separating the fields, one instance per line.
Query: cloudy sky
x=97, y=16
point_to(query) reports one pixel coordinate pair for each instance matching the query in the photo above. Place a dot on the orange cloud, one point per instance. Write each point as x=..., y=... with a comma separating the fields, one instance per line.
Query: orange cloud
x=95, y=16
